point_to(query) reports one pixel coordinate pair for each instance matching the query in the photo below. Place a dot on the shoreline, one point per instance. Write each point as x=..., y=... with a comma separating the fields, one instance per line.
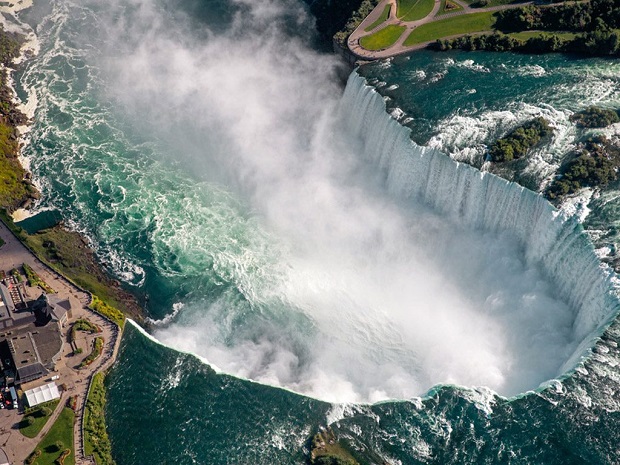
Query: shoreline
x=71, y=267
x=77, y=381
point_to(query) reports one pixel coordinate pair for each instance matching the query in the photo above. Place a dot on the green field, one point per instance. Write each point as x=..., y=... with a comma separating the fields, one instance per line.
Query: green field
x=61, y=431
x=382, y=18
x=383, y=38
x=30, y=431
x=412, y=10
x=463, y=24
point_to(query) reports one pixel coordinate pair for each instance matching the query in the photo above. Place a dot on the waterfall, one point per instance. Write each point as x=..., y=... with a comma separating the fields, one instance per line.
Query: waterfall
x=486, y=202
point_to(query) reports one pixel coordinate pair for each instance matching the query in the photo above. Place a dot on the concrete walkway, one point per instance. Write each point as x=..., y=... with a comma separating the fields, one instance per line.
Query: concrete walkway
x=76, y=380
x=399, y=47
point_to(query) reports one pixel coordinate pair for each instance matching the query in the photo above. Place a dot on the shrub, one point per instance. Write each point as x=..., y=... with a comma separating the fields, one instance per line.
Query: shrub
x=595, y=117
x=595, y=166
x=519, y=141
x=61, y=460
x=108, y=311
x=32, y=457
x=97, y=348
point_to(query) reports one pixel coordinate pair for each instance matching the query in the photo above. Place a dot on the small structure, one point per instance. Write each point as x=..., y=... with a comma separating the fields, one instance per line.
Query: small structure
x=42, y=394
x=51, y=308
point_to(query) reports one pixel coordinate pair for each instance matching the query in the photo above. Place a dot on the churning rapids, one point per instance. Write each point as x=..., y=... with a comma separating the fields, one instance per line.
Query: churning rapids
x=356, y=267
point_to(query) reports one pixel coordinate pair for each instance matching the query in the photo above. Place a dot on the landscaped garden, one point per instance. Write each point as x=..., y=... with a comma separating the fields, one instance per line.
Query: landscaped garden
x=57, y=445
x=36, y=418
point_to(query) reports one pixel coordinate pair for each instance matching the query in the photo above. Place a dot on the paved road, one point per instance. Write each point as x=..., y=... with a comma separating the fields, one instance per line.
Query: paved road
x=399, y=47
x=77, y=381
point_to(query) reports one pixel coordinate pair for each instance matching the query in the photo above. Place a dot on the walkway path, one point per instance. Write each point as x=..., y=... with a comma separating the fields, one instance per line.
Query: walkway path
x=77, y=381
x=399, y=47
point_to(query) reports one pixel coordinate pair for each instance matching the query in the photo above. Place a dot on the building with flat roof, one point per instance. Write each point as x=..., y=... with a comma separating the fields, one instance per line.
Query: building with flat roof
x=31, y=340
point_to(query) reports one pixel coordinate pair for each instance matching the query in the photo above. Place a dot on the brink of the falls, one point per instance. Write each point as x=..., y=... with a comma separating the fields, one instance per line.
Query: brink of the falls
x=485, y=202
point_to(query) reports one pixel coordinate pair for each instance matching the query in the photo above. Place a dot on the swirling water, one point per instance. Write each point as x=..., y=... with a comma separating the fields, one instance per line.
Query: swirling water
x=251, y=256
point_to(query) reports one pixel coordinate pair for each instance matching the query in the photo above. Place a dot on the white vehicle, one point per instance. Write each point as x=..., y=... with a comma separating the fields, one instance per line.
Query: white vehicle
x=13, y=396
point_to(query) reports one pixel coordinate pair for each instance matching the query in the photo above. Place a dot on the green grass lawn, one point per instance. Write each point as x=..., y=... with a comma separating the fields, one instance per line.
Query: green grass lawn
x=453, y=7
x=412, y=10
x=383, y=38
x=61, y=431
x=476, y=22
x=382, y=18
x=31, y=431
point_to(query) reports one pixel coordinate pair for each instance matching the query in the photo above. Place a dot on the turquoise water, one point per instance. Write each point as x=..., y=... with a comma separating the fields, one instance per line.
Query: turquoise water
x=201, y=151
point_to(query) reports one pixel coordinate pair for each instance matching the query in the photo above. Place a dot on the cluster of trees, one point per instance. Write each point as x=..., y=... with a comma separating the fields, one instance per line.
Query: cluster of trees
x=595, y=117
x=497, y=42
x=596, y=165
x=595, y=23
x=577, y=17
x=332, y=16
x=517, y=143
x=594, y=26
x=355, y=20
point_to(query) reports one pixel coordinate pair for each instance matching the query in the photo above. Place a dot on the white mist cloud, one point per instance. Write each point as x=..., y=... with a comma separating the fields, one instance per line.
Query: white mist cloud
x=371, y=299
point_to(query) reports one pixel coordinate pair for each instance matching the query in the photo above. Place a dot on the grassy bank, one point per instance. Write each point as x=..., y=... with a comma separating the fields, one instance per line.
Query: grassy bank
x=70, y=255
x=463, y=24
x=96, y=440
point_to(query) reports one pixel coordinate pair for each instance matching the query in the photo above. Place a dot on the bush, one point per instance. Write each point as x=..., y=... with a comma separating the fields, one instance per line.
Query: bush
x=519, y=141
x=97, y=348
x=32, y=457
x=29, y=420
x=34, y=279
x=58, y=445
x=595, y=117
x=595, y=166
x=61, y=460
x=108, y=311
x=45, y=411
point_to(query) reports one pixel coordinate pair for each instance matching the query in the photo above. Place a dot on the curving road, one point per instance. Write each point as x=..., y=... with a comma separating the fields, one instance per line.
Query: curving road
x=398, y=47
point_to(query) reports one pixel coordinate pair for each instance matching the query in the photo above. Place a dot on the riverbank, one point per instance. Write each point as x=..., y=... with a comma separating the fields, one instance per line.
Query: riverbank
x=76, y=379
x=63, y=259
